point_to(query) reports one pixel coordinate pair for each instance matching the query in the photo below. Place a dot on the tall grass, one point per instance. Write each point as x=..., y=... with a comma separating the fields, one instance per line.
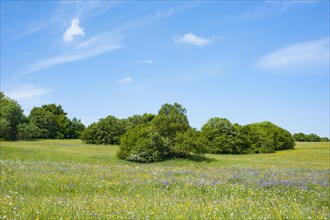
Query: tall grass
x=71, y=180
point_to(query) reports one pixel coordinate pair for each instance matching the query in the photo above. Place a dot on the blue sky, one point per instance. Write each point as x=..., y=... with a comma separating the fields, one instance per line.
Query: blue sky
x=247, y=61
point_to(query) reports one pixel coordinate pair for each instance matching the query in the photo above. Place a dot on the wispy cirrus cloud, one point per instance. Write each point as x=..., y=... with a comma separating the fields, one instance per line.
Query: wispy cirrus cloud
x=126, y=80
x=307, y=57
x=149, y=61
x=98, y=43
x=153, y=17
x=28, y=95
x=272, y=8
x=193, y=39
x=93, y=46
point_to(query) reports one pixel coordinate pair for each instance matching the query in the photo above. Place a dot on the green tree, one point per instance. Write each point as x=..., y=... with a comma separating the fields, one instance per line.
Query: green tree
x=45, y=121
x=265, y=137
x=11, y=115
x=254, y=139
x=61, y=119
x=220, y=136
x=166, y=136
x=5, y=129
x=313, y=138
x=52, y=120
x=75, y=128
x=324, y=139
x=301, y=137
x=28, y=131
x=106, y=131
x=143, y=144
x=135, y=120
x=188, y=143
x=282, y=139
x=171, y=119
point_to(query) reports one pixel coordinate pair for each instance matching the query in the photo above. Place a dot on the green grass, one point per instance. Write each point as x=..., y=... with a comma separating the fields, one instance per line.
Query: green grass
x=60, y=179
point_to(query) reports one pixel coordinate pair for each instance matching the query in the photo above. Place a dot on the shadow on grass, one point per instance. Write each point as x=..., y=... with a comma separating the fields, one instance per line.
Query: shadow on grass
x=200, y=159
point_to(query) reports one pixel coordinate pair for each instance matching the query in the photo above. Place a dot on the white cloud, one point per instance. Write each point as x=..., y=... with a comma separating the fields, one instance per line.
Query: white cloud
x=94, y=46
x=97, y=44
x=144, y=61
x=73, y=31
x=28, y=95
x=307, y=57
x=194, y=40
x=26, y=91
x=126, y=80
x=52, y=61
x=272, y=8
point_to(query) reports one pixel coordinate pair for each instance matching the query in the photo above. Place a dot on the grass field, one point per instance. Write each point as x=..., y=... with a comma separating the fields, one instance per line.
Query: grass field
x=67, y=179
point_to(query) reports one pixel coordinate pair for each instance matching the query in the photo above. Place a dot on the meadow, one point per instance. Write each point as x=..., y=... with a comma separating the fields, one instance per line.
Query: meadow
x=67, y=179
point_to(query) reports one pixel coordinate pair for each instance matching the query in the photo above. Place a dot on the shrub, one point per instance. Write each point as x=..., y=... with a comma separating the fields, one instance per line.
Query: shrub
x=75, y=128
x=166, y=136
x=265, y=137
x=11, y=115
x=135, y=120
x=282, y=139
x=188, y=143
x=143, y=144
x=106, y=131
x=171, y=119
x=254, y=139
x=52, y=120
x=219, y=136
x=28, y=131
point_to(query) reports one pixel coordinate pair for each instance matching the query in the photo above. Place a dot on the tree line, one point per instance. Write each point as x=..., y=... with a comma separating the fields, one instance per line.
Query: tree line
x=45, y=122
x=148, y=137
x=301, y=137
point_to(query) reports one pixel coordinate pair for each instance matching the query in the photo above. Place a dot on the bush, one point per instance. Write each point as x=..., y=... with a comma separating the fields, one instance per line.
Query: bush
x=301, y=137
x=188, y=143
x=171, y=119
x=166, y=136
x=11, y=115
x=254, y=139
x=51, y=120
x=143, y=144
x=219, y=136
x=282, y=139
x=75, y=128
x=135, y=120
x=106, y=131
x=265, y=137
x=28, y=131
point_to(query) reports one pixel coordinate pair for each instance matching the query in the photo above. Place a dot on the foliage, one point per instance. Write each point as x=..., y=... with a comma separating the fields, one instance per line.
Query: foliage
x=301, y=137
x=75, y=128
x=45, y=121
x=167, y=135
x=143, y=144
x=135, y=120
x=282, y=139
x=28, y=131
x=254, y=139
x=188, y=143
x=220, y=136
x=106, y=131
x=53, y=123
x=11, y=115
x=171, y=119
